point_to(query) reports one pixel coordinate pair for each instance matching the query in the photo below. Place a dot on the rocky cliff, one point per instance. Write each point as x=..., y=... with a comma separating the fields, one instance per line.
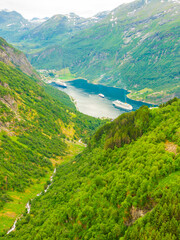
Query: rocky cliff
x=13, y=57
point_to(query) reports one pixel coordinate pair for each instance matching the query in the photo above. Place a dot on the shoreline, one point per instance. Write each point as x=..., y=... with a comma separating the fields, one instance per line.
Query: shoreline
x=88, y=81
x=74, y=101
x=128, y=91
x=151, y=103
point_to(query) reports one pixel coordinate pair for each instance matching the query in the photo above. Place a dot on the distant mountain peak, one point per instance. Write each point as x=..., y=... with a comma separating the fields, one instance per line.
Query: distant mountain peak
x=102, y=14
x=5, y=10
x=10, y=11
x=71, y=14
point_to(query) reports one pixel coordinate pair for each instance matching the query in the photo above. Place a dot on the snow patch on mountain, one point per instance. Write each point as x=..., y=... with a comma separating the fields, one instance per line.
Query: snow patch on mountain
x=38, y=20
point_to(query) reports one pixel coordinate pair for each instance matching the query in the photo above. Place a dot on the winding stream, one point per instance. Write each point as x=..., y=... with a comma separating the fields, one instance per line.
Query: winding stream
x=28, y=205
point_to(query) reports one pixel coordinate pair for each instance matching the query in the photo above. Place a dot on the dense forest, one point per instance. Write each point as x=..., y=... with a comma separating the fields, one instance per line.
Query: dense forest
x=33, y=127
x=124, y=185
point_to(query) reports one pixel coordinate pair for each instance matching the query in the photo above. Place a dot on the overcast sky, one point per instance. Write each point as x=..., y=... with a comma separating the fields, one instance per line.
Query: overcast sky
x=48, y=8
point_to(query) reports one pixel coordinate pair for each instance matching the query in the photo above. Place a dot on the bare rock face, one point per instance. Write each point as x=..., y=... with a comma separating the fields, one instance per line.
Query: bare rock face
x=13, y=57
x=9, y=101
x=5, y=58
x=135, y=213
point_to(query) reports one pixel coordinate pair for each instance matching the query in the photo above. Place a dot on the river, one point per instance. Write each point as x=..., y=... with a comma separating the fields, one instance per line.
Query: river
x=28, y=205
x=88, y=102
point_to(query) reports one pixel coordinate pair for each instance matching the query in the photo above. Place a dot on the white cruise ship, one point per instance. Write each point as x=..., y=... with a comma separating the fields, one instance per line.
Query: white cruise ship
x=101, y=95
x=60, y=84
x=123, y=105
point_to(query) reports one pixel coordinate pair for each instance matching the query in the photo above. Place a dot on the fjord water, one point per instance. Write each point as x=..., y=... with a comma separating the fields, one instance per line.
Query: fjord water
x=88, y=102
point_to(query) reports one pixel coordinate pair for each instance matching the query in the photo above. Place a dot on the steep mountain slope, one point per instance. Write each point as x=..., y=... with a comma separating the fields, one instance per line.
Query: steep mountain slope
x=35, y=129
x=126, y=191
x=13, y=57
x=135, y=47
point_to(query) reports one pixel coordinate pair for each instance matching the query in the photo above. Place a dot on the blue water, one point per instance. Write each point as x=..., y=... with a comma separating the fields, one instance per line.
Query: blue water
x=88, y=102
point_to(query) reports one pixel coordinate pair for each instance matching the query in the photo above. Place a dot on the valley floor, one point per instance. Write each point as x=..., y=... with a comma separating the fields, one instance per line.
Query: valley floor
x=15, y=208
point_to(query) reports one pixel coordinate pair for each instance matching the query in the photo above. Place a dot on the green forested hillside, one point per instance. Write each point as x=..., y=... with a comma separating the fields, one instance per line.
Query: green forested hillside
x=31, y=124
x=35, y=131
x=125, y=184
x=121, y=192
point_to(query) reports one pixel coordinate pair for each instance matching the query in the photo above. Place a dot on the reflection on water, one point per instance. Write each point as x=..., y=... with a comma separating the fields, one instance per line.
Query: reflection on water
x=88, y=102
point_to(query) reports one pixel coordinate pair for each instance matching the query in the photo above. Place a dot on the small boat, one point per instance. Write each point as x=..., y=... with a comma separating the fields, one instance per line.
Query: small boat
x=101, y=95
x=60, y=84
x=122, y=105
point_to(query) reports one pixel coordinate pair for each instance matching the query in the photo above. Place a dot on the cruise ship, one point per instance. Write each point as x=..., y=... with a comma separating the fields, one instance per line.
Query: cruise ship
x=101, y=95
x=123, y=105
x=60, y=84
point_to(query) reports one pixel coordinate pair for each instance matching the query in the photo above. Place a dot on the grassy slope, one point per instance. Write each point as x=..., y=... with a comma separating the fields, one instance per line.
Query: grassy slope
x=16, y=206
x=129, y=192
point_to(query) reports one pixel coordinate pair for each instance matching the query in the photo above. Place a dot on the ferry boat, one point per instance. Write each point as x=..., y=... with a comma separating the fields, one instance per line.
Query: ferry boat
x=60, y=84
x=123, y=105
x=101, y=95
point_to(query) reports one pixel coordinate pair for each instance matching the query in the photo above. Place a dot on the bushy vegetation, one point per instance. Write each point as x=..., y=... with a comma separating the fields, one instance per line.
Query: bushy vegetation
x=121, y=192
x=125, y=129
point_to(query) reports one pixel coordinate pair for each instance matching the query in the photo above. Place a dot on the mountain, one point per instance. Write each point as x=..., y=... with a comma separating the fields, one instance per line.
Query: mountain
x=37, y=131
x=13, y=57
x=37, y=33
x=62, y=24
x=56, y=29
x=12, y=24
x=124, y=185
x=134, y=47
